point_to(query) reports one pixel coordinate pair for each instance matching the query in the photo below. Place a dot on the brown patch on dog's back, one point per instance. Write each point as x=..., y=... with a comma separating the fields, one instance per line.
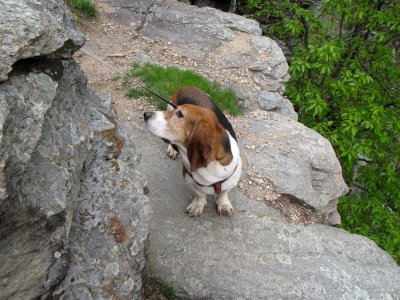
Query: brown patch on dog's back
x=192, y=95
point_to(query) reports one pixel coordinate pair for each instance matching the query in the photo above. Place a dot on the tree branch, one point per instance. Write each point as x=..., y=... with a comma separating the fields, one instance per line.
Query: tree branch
x=306, y=31
x=341, y=26
x=361, y=188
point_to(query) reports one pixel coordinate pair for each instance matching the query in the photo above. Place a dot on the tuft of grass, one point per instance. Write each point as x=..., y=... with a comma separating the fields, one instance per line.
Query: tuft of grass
x=136, y=93
x=165, y=81
x=169, y=292
x=83, y=7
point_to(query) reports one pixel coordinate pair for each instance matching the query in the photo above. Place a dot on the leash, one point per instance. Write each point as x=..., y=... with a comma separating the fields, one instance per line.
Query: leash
x=95, y=57
x=218, y=185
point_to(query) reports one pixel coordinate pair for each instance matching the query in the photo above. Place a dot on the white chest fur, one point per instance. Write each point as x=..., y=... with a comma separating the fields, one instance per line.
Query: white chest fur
x=215, y=172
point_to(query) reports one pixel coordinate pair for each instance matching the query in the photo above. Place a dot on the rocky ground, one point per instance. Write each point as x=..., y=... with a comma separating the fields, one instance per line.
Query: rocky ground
x=120, y=46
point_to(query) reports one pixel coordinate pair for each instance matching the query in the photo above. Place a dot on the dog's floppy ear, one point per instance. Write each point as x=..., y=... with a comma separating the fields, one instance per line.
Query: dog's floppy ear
x=200, y=148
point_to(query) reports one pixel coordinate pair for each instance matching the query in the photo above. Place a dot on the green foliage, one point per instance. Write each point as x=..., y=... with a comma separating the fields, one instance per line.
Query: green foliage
x=345, y=79
x=370, y=217
x=165, y=81
x=85, y=7
x=169, y=292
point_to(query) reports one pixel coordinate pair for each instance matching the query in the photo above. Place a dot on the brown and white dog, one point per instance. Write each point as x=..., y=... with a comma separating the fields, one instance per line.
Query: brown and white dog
x=207, y=144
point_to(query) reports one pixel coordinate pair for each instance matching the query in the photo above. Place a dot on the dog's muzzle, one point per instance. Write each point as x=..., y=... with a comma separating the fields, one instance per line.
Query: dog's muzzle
x=147, y=115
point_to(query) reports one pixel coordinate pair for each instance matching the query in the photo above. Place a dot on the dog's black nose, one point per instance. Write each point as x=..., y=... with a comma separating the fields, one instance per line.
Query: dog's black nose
x=147, y=115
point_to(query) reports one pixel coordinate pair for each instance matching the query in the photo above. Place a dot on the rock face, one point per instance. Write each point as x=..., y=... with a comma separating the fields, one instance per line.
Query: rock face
x=110, y=229
x=31, y=28
x=69, y=194
x=207, y=35
x=296, y=160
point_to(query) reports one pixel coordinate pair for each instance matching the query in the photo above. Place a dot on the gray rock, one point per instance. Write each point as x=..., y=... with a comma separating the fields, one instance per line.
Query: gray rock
x=73, y=215
x=256, y=254
x=29, y=97
x=43, y=166
x=56, y=136
x=27, y=263
x=275, y=67
x=258, y=54
x=109, y=230
x=297, y=160
x=181, y=23
x=4, y=111
x=252, y=99
x=61, y=140
x=201, y=33
x=35, y=28
x=274, y=102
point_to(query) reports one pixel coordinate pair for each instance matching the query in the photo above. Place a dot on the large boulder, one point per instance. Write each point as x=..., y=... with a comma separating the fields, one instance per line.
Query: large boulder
x=110, y=227
x=67, y=179
x=296, y=160
x=212, y=39
x=257, y=253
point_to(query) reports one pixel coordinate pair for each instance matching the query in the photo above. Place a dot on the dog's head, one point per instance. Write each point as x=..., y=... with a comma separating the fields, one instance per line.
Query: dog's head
x=197, y=129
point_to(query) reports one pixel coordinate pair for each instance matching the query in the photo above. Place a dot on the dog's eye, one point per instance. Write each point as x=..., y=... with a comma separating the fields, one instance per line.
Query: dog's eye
x=179, y=114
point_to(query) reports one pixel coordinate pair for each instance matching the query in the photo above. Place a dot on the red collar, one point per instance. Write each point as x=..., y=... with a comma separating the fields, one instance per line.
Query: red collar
x=217, y=185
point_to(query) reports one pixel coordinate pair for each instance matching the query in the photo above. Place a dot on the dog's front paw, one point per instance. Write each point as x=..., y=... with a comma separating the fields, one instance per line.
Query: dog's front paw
x=171, y=152
x=225, y=209
x=195, y=208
